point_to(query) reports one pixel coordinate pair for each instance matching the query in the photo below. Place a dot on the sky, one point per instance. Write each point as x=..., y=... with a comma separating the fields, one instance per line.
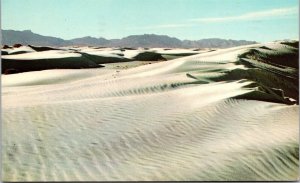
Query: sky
x=257, y=20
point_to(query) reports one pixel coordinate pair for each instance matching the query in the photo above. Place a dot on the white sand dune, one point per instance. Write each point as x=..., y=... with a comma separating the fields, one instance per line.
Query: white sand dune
x=19, y=50
x=24, y=58
x=172, y=120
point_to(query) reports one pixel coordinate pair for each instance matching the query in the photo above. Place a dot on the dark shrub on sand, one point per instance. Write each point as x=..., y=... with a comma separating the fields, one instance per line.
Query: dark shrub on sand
x=17, y=45
x=5, y=46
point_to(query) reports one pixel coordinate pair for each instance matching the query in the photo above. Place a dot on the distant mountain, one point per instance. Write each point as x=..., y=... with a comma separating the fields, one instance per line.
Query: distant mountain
x=215, y=43
x=90, y=41
x=149, y=40
x=26, y=37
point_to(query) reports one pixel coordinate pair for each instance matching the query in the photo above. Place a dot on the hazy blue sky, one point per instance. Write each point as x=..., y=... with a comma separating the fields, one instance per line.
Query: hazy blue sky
x=260, y=20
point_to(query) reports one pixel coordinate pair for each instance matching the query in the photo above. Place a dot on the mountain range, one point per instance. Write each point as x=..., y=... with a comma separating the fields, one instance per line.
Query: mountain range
x=27, y=37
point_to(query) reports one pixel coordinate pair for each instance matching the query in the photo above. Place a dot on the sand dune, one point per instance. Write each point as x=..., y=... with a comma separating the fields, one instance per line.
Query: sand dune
x=52, y=59
x=224, y=115
x=27, y=58
x=19, y=50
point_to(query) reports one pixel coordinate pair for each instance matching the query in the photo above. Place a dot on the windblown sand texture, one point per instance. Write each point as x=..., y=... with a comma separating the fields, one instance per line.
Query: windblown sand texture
x=224, y=115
